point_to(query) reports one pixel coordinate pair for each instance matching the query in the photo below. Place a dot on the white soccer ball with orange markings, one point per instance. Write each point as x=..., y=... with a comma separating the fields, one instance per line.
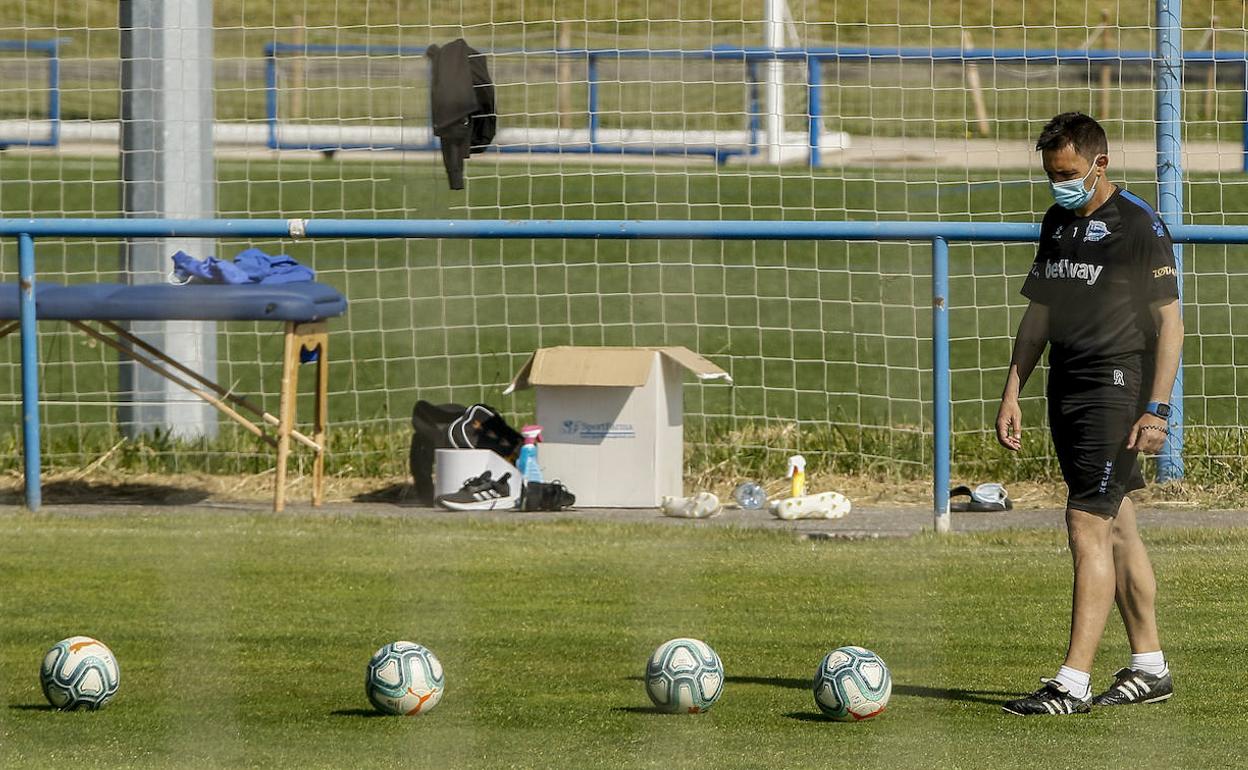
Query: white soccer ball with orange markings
x=79, y=673
x=404, y=679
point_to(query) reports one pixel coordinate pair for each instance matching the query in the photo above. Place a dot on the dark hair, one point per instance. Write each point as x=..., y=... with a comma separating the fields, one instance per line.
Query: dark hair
x=1079, y=131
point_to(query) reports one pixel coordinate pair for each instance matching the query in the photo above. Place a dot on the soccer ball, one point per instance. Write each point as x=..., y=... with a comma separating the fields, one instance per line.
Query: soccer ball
x=79, y=673
x=404, y=678
x=852, y=683
x=684, y=675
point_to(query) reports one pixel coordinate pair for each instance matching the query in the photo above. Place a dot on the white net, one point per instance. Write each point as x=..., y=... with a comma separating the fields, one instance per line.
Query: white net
x=611, y=110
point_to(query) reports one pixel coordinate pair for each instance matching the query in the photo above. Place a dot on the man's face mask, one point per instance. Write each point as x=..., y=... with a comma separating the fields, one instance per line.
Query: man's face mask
x=1071, y=194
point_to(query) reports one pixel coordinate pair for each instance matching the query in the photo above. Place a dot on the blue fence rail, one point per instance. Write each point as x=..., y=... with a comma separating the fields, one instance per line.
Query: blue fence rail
x=750, y=57
x=939, y=234
x=50, y=49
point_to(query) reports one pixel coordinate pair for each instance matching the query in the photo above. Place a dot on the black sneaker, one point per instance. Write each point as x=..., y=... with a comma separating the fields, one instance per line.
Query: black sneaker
x=1052, y=699
x=1131, y=686
x=481, y=493
x=536, y=496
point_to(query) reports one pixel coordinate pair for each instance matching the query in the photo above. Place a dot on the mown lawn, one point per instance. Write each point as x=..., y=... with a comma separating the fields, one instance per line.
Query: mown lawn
x=242, y=641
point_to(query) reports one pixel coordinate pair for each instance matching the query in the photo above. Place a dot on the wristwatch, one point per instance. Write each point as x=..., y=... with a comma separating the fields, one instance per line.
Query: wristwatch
x=1159, y=409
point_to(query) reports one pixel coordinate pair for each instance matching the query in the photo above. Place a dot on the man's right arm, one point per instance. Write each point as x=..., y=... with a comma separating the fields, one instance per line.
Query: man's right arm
x=1033, y=335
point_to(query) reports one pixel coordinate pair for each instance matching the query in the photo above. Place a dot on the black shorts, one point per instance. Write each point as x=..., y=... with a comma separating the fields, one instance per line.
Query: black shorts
x=1091, y=443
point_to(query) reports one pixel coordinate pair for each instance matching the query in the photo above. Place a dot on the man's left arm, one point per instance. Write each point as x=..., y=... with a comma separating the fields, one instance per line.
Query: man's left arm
x=1148, y=434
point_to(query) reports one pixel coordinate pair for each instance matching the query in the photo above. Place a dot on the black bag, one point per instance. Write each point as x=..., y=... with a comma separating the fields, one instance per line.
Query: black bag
x=454, y=426
x=538, y=496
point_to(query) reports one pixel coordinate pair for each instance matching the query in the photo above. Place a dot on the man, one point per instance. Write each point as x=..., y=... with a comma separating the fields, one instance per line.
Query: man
x=1104, y=297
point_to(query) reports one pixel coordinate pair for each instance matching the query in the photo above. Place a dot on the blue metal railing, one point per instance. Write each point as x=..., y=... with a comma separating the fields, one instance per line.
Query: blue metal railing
x=751, y=57
x=51, y=49
x=593, y=146
x=939, y=234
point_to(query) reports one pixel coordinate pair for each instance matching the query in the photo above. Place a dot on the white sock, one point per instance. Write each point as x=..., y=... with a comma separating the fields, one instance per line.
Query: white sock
x=1150, y=663
x=1079, y=683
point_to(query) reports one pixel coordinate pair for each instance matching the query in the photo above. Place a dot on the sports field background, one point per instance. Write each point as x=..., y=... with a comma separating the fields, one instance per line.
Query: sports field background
x=814, y=334
x=242, y=638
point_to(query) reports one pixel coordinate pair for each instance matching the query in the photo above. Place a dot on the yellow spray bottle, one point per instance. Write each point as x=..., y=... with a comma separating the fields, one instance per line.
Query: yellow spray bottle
x=797, y=472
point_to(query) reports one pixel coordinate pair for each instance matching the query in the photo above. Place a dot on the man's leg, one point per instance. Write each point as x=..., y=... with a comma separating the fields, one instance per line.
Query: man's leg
x=1091, y=546
x=1136, y=588
x=1147, y=679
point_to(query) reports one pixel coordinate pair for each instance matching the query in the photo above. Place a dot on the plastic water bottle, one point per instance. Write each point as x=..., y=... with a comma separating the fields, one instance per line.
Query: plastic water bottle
x=750, y=496
x=527, y=463
x=797, y=475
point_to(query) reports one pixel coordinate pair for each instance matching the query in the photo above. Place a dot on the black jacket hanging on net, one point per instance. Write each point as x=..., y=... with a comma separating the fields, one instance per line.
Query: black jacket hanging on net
x=462, y=105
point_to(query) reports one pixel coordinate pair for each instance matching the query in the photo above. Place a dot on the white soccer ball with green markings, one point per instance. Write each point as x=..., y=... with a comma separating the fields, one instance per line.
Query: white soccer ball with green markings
x=852, y=684
x=684, y=676
x=404, y=679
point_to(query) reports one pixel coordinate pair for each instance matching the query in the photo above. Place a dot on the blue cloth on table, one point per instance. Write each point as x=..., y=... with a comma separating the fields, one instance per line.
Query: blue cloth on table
x=250, y=266
x=301, y=302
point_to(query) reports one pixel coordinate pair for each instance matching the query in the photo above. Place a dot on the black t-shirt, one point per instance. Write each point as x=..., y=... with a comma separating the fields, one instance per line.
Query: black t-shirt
x=1098, y=275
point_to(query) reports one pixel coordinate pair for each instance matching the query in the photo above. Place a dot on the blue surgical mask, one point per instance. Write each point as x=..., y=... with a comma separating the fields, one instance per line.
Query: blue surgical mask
x=1071, y=194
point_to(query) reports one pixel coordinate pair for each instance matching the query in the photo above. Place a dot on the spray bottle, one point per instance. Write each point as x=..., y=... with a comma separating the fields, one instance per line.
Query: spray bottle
x=797, y=472
x=527, y=463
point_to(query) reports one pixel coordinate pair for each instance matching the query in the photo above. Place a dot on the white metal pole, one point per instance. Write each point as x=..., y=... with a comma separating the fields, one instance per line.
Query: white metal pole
x=167, y=172
x=774, y=24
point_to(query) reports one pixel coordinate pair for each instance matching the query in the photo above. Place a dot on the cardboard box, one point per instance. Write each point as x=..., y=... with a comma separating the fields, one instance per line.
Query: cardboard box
x=613, y=419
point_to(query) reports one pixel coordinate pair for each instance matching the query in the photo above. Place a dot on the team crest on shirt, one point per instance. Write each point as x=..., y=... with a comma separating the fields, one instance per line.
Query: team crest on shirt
x=1119, y=380
x=1057, y=234
x=1157, y=228
x=1096, y=231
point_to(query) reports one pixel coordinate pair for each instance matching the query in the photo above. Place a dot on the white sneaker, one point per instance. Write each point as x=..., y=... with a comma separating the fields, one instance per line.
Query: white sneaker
x=701, y=506
x=825, y=505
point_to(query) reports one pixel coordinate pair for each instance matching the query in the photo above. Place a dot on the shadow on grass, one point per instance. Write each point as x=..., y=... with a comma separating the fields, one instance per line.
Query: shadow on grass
x=772, y=681
x=993, y=697
x=77, y=492
x=361, y=713
x=397, y=494
x=32, y=707
x=808, y=716
x=640, y=710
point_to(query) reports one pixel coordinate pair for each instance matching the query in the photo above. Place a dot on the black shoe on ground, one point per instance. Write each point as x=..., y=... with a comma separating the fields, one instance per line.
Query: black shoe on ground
x=554, y=496
x=480, y=493
x=1131, y=686
x=1051, y=700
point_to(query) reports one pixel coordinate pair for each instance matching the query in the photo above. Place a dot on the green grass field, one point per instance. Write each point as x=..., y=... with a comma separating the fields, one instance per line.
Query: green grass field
x=242, y=642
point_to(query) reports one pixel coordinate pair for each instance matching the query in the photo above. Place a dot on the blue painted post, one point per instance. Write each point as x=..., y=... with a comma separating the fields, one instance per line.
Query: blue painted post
x=1245, y=138
x=270, y=93
x=54, y=95
x=941, y=435
x=813, y=82
x=30, y=368
x=1170, y=191
x=752, y=74
x=591, y=74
